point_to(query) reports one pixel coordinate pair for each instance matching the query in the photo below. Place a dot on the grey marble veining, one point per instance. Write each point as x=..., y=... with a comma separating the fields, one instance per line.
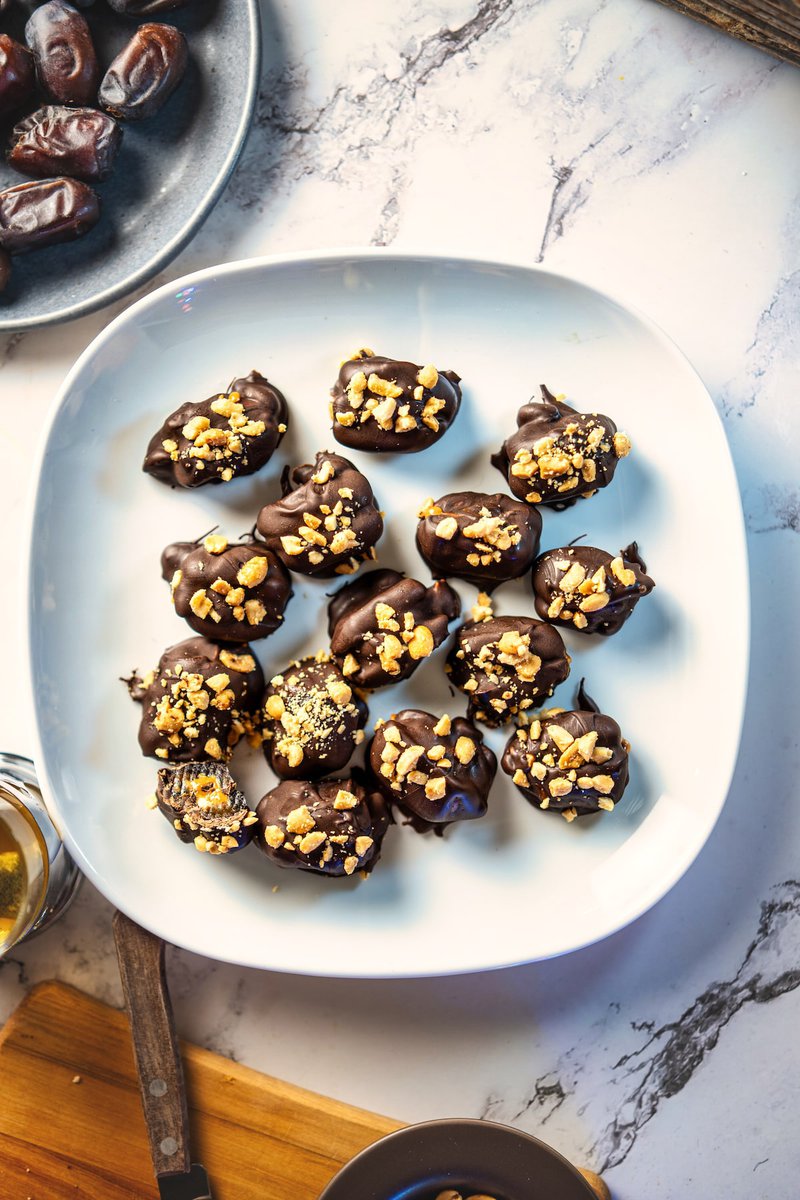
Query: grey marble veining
x=654, y=157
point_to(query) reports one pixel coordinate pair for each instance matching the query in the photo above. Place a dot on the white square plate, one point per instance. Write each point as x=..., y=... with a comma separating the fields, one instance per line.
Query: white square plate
x=519, y=884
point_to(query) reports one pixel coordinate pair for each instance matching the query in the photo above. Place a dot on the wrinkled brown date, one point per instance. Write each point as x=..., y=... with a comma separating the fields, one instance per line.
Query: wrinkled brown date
x=5, y=267
x=66, y=63
x=44, y=212
x=80, y=142
x=145, y=73
x=146, y=8
x=17, y=76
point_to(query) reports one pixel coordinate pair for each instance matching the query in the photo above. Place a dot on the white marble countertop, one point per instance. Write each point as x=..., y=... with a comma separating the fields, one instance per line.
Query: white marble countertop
x=622, y=142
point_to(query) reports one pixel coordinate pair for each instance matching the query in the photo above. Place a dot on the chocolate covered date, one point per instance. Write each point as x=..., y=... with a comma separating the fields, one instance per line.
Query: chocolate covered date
x=145, y=73
x=80, y=142
x=17, y=76
x=146, y=8
x=66, y=63
x=44, y=212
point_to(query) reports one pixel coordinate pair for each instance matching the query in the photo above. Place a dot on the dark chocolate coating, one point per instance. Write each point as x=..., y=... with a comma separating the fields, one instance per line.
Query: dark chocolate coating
x=601, y=591
x=351, y=819
x=382, y=626
x=146, y=8
x=17, y=75
x=313, y=720
x=204, y=805
x=246, y=424
x=145, y=73
x=198, y=702
x=61, y=43
x=80, y=142
x=327, y=521
x=5, y=268
x=44, y=212
x=435, y=778
x=411, y=417
x=234, y=593
x=483, y=539
x=558, y=455
x=572, y=762
x=505, y=665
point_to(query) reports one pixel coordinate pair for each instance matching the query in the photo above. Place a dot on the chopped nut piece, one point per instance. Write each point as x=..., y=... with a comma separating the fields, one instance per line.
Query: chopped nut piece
x=339, y=692
x=622, y=445
x=594, y=602
x=436, y=788
x=465, y=750
x=253, y=572
x=447, y=528
x=428, y=376
x=409, y=759
x=300, y=820
x=350, y=665
x=325, y=472
x=200, y=604
x=350, y=865
x=559, y=787
x=311, y=842
x=213, y=749
x=215, y=543
x=273, y=836
x=195, y=427
x=363, y=844
x=345, y=800
x=421, y=643
x=442, y=726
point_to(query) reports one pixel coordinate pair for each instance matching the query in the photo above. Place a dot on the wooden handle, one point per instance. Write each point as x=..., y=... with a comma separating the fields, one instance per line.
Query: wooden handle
x=596, y=1184
x=155, y=1045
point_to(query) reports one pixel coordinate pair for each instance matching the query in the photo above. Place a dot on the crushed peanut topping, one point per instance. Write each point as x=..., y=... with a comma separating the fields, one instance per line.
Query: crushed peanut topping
x=215, y=543
x=311, y=711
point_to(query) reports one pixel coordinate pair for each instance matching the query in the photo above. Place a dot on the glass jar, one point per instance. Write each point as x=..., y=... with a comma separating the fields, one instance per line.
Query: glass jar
x=38, y=879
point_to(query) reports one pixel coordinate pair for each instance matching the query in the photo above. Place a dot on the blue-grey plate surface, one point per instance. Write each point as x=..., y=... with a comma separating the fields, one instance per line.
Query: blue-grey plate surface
x=169, y=173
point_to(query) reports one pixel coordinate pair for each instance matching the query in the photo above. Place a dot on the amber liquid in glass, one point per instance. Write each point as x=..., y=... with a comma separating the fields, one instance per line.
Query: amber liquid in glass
x=13, y=882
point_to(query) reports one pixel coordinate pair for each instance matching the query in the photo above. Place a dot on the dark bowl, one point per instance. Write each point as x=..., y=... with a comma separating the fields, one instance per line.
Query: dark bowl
x=169, y=173
x=471, y=1156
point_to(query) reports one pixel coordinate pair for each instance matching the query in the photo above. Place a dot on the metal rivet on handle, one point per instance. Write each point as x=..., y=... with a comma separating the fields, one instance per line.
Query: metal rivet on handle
x=158, y=1088
x=169, y=1147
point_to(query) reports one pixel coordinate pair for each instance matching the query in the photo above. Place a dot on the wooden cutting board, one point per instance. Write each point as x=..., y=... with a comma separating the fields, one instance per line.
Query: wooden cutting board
x=259, y=1138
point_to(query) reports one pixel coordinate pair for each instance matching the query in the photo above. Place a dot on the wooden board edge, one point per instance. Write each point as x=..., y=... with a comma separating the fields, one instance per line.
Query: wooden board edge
x=734, y=25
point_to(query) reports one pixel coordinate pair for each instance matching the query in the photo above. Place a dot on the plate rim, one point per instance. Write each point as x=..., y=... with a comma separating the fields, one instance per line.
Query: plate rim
x=340, y=255
x=188, y=229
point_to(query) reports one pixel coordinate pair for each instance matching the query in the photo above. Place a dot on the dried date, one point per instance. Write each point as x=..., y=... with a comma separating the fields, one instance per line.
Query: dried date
x=17, y=76
x=44, y=212
x=80, y=142
x=145, y=73
x=66, y=63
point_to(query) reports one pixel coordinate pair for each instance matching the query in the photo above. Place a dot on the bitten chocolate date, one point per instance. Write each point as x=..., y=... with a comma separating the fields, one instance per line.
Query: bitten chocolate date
x=505, y=665
x=313, y=720
x=205, y=806
x=334, y=827
x=589, y=588
x=79, y=142
x=41, y=213
x=66, y=63
x=573, y=762
x=235, y=593
x=558, y=455
x=145, y=73
x=328, y=520
x=382, y=404
x=147, y=8
x=382, y=626
x=435, y=769
x=218, y=439
x=17, y=74
x=198, y=701
x=483, y=539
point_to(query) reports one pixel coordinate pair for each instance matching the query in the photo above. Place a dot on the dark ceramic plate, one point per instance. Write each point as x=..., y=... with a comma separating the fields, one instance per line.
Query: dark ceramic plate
x=169, y=173
x=471, y=1156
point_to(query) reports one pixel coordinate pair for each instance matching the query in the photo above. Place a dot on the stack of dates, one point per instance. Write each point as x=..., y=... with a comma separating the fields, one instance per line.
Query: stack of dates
x=71, y=140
